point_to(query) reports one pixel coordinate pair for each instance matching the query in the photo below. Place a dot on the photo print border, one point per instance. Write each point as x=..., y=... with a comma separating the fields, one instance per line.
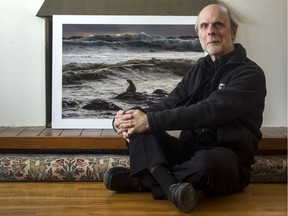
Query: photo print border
x=68, y=120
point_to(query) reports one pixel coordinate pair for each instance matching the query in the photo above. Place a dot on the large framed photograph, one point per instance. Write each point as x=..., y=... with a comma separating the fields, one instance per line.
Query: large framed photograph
x=105, y=63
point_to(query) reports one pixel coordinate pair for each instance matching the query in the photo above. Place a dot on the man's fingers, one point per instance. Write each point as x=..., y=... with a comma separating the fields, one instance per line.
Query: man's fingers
x=126, y=125
x=126, y=116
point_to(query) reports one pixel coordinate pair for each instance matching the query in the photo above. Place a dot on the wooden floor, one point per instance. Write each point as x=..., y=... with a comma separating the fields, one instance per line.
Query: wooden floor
x=87, y=199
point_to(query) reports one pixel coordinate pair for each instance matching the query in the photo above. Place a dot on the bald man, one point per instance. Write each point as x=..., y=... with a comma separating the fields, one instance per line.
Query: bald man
x=218, y=107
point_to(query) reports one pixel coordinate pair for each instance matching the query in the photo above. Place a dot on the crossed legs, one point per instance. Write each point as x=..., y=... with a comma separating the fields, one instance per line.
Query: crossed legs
x=173, y=169
x=215, y=170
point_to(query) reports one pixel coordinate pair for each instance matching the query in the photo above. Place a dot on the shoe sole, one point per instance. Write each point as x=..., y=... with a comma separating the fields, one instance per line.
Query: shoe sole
x=113, y=180
x=187, y=197
x=108, y=177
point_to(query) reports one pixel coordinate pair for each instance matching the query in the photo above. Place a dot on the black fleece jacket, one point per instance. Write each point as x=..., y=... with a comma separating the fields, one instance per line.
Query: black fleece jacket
x=222, y=100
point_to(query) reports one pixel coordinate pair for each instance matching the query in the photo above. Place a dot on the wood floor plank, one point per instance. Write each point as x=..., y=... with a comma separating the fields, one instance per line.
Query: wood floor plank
x=49, y=132
x=109, y=133
x=3, y=129
x=32, y=131
x=277, y=132
x=284, y=131
x=12, y=131
x=71, y=133
x=91, y=133
x=69, y=199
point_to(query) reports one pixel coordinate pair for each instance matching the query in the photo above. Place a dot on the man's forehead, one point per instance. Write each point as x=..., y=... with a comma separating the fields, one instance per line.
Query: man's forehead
x=213, y=14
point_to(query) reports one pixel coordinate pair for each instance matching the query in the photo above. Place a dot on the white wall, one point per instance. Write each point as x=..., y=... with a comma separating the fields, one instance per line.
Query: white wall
x=263, y=31
x=22, y=63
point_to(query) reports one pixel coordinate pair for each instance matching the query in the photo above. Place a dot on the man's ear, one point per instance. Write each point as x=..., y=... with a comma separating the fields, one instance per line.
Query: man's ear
x=234, y=33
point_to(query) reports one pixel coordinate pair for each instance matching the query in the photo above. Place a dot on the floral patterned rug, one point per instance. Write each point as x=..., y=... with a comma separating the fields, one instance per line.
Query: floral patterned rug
x=88, y=167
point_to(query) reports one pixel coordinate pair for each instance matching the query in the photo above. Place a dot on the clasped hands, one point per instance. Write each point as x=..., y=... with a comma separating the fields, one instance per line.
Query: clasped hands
x=127, y=123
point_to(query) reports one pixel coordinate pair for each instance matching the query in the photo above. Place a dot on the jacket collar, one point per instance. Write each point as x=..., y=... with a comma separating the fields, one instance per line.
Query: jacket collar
x=238, y=55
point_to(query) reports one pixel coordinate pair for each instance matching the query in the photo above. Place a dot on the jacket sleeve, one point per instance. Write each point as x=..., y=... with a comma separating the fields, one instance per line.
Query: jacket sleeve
x=244, y=93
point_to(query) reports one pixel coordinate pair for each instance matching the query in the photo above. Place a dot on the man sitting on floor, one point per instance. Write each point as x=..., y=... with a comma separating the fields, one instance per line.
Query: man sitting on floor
x=218, y=107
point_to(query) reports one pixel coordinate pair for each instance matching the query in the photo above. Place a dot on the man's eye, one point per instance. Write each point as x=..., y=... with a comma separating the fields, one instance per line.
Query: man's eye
x=204, y=25
x=218, y=25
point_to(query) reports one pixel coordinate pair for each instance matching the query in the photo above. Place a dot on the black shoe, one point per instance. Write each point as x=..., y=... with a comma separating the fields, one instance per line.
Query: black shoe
x=118, y=179
x=183, y=196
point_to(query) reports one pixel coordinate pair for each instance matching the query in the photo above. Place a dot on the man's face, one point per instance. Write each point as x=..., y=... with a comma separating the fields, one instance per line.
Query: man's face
x=215, y=32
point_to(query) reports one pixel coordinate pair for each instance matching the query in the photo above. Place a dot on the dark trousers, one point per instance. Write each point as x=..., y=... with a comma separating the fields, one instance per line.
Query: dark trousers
x=214, y=170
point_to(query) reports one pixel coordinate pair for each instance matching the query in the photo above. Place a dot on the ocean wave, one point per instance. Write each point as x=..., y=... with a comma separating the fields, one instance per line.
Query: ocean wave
x=135, y=42
x=74, y=73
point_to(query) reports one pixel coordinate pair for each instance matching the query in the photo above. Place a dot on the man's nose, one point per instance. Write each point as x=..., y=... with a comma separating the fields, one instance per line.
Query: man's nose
x=211, y=29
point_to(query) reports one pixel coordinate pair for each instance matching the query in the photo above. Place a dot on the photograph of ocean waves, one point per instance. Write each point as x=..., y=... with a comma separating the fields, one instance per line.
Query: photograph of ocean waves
x=110, y=67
